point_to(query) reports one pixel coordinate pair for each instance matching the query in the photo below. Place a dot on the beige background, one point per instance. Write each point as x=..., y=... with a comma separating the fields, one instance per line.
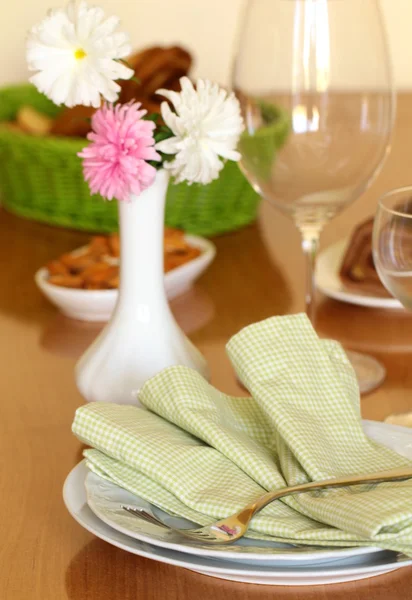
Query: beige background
x=207, y=27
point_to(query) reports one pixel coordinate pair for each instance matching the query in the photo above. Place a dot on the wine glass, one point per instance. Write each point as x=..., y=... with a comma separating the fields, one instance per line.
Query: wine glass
x=314, y=81
x=392, y=254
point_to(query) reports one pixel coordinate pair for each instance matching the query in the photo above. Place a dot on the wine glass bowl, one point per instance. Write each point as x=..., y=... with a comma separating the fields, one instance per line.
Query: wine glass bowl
x=392, y=244
x=392, y=255
x=297, y=58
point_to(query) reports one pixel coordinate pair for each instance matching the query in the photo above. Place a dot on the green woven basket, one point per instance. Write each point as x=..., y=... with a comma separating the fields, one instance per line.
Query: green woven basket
x=41, y=179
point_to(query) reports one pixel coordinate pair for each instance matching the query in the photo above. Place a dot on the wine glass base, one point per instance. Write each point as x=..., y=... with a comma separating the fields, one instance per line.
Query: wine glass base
x=369, y=372
x=405, y=419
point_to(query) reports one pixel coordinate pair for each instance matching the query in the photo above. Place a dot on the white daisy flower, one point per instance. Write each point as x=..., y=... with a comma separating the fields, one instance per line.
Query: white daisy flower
x=206, y=125
x=76, y=52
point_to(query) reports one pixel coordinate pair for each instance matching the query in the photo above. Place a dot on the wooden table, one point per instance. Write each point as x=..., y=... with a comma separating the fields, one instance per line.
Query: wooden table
x=258, y=272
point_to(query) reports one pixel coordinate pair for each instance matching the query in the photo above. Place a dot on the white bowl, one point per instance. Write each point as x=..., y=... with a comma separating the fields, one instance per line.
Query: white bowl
x=98, y=305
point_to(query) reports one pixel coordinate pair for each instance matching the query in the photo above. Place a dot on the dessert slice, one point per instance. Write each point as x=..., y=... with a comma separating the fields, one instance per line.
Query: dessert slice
x=358, y=270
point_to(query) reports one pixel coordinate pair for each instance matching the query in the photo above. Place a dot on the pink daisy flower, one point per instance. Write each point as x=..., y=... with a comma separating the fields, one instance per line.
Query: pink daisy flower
x=114, y=163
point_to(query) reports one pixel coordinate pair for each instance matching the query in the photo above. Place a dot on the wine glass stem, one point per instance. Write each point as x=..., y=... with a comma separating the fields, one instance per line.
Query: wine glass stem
x=310, y=245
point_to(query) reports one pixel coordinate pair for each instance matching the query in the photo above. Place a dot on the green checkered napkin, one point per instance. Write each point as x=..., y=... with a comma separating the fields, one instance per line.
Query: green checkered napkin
x=203, y=455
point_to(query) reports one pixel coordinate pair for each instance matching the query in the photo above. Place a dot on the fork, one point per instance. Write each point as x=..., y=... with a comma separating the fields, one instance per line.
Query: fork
x=234, y=527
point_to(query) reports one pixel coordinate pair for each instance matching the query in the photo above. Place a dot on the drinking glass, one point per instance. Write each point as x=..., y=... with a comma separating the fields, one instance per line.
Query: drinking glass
x=314, y=81
x=392, y=253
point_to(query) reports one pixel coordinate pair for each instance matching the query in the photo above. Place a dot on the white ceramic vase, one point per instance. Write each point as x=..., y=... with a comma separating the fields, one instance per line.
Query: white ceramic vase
x=142, y=337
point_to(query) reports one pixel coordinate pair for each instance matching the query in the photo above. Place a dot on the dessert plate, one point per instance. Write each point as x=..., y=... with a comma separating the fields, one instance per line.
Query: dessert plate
x=98, y=305
x=360, y=567
x=328, y=281
x=106, y=499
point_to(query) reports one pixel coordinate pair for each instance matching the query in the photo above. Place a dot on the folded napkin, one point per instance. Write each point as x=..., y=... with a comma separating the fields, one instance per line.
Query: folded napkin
x=203, y=455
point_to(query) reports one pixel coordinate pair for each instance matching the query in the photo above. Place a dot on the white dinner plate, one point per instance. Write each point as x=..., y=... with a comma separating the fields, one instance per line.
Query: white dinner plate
x=328, y=280
x=361, y=567
x=105, y=499
x=98, y=305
